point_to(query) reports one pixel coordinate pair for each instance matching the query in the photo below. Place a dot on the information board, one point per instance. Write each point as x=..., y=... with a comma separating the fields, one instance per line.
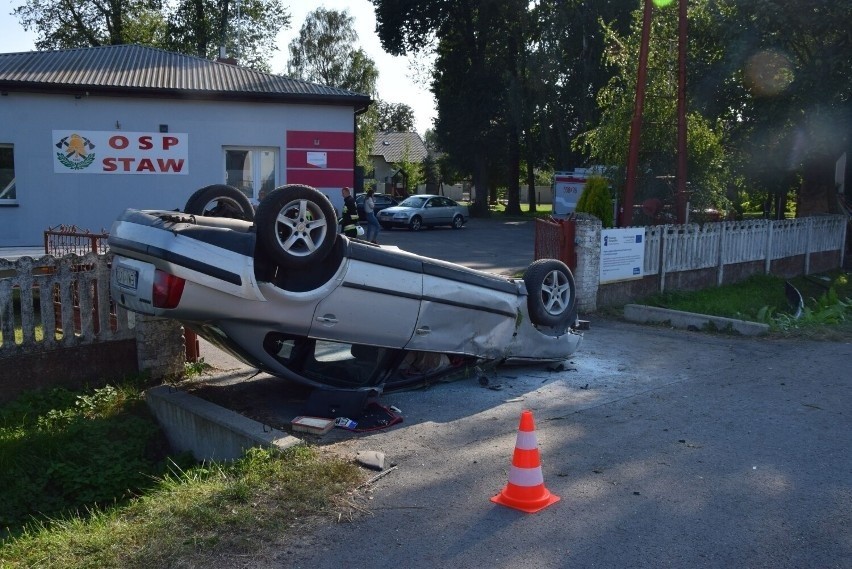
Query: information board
x=622, y=254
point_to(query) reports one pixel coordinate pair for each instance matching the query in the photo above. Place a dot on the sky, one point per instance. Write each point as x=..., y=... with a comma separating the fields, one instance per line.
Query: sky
x=396, y=83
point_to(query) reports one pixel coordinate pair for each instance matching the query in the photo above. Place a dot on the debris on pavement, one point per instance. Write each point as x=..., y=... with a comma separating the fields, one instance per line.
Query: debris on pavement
x=372, y=459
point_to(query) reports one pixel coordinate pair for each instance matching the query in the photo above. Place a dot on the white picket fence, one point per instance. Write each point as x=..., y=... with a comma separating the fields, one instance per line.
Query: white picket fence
x=67, y=298
x=674, y=248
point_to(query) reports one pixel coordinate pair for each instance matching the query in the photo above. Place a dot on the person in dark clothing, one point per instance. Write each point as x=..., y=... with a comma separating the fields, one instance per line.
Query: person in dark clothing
x=349, y=219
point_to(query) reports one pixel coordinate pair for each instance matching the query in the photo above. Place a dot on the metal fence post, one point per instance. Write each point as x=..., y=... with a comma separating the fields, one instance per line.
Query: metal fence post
x=720, y=267
x=770, y=234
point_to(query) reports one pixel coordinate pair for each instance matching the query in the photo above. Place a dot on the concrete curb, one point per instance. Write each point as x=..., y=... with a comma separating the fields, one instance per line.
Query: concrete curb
x=208, y=431
x=691, y=321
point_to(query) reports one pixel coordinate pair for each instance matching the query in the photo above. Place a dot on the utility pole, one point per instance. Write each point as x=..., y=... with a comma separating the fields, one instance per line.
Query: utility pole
x=636, y=123
x=681, y=114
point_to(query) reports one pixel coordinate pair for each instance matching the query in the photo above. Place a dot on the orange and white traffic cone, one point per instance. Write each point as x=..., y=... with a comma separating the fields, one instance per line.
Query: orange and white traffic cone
x=525, y=490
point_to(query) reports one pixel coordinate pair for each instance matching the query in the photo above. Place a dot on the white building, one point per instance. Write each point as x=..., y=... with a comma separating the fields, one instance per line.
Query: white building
x=86, y=133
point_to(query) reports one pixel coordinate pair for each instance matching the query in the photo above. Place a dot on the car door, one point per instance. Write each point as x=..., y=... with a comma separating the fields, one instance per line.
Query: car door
x=376, y=302
x=382, y=202
x=434, y=212
x=464, y=313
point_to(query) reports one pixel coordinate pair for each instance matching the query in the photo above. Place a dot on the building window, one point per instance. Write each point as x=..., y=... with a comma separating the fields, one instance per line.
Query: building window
x=7, y=175
x=252, y=170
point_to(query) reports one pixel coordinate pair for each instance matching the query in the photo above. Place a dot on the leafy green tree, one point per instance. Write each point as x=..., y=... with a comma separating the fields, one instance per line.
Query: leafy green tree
x=60, y=24
x=324, y=53
x=607, y=142
x=596, y=200
x=397, y=117
x=793, y=63
x=469, y=79
x=246, y=28
x=413, y=171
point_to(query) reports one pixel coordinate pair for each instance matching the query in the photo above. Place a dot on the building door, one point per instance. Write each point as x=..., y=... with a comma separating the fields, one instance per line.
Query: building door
x=253, y=171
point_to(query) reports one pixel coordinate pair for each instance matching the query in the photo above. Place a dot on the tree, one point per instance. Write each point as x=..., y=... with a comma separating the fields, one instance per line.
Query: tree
x=324, y=53
x=470, y=78
x=412, y=171
x=60, y=24
x=607, y=142
x=596, y=200
x=795, y=110
x=246, y=28
x=397, y=117
x=568, y=69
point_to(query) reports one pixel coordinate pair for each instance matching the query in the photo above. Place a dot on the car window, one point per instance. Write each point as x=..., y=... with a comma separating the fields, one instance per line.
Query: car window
x=338, y=364
x=414, y=201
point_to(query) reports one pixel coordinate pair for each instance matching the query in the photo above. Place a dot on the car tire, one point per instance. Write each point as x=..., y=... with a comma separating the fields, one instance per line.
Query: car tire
x=386, y=226
x=220, y=200
x=415, y=224
x=296, y=225
x=552, y=293
x=458, y=221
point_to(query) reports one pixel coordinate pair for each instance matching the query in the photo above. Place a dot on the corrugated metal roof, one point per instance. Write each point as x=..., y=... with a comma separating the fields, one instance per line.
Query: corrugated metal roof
x=136, y=69
x=392, y=146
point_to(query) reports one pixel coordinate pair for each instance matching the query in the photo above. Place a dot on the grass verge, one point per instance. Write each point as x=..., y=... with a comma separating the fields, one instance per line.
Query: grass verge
x=86, y=483
x=827, y=299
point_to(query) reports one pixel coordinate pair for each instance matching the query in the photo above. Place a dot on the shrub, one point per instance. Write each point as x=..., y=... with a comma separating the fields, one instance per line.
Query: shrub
x=596, y=200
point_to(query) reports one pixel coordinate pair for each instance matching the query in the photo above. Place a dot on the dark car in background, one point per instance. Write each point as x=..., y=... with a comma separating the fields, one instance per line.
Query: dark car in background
x=382, y=201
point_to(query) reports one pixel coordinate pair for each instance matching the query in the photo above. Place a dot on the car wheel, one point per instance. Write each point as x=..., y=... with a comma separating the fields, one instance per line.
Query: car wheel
x=552, y=294
x=220, y=200
x=415, y=224
x=386, y=226
x=458, y=221
x=296, y=225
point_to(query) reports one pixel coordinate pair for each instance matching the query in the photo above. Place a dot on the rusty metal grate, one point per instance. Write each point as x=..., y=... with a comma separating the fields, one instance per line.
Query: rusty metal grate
x=69, y=239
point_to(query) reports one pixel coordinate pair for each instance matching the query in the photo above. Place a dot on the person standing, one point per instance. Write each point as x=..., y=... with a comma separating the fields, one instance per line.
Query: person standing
x=349, y=218
x=372, y=220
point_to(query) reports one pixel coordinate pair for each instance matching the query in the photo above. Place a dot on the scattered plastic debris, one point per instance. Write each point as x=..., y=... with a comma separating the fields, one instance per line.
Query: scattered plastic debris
x=372, y=459
x=345, y=423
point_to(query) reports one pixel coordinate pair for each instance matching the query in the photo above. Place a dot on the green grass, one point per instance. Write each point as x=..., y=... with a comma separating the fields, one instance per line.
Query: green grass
x=827, y=314
x=542, y=210
x=743, y=300
x=86, y=481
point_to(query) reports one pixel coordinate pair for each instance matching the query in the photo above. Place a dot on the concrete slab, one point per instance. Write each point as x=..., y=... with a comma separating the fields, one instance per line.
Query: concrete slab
x=691, y=321
x=208, y=431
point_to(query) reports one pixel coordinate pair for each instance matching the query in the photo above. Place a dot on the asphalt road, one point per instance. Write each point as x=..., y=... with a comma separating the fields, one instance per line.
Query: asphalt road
x=494, y=245
x=668, y=449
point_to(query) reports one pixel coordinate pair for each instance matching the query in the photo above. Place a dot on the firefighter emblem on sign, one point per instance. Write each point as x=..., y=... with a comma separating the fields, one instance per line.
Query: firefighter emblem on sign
x=75, y=152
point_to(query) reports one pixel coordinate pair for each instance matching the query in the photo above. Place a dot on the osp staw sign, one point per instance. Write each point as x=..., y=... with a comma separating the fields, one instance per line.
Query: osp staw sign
x=110, y=152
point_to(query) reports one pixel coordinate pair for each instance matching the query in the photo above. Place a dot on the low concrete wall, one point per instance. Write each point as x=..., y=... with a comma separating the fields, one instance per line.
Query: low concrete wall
x=691, y=321
x=208, y=431
x=94, y=365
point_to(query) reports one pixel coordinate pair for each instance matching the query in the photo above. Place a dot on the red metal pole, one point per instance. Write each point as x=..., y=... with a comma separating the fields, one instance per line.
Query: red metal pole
x=636, y=123
x=681, y=113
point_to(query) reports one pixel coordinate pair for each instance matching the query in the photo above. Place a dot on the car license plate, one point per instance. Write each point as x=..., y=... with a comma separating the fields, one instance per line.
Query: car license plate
x=126, y=277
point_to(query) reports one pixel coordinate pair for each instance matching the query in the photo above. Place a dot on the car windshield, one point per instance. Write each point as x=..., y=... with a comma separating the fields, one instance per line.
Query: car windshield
x=414, y=201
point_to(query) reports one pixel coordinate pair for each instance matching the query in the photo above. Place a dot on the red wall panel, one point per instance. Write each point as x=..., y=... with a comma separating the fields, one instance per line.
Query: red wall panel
x=334, y=159
x=320, y=140
x=319, y=178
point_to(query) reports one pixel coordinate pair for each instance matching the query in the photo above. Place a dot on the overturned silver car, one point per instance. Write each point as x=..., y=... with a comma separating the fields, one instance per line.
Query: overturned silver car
x=281, y=290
